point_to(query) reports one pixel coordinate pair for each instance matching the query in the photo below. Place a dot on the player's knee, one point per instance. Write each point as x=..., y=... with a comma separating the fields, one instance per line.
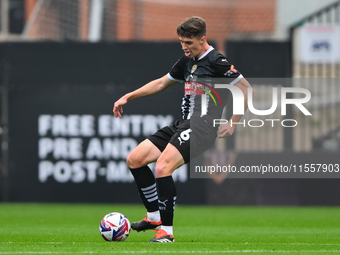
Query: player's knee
x=132, y=161
x=162, y=171
x=159, y=171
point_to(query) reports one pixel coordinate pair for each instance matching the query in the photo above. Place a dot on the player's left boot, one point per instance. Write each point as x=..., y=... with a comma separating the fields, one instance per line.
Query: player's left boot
x=144, y=224
x=162, y=237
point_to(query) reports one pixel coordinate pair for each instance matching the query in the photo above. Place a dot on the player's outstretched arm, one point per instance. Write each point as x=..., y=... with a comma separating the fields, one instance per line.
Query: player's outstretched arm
x=227, y=130
x=148, y=89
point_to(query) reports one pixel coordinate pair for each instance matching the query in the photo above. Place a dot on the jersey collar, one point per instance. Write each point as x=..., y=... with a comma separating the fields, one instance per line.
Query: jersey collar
x=206, y=53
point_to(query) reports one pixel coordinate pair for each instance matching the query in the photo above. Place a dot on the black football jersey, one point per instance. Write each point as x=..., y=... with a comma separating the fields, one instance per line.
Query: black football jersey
x=201, y=98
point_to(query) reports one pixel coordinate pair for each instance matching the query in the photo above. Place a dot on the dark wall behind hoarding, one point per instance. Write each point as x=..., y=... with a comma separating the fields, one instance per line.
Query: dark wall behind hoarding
x=260, y=59
x=127, y=64
x=64, y=142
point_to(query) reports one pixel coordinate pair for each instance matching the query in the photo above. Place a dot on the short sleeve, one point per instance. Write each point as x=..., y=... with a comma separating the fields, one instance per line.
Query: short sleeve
x=177, y=71
x=224, y=68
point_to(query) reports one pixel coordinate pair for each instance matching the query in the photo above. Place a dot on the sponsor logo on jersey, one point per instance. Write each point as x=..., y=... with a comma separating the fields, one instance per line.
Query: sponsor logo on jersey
x=197, y=88
x=231, y=71
x=193, y=88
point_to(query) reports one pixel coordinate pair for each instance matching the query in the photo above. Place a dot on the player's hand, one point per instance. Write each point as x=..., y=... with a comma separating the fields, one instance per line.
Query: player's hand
x=118, y=107
x=226, y=130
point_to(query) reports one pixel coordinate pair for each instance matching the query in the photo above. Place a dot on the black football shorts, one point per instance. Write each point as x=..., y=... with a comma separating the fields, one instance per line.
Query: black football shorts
x=190, y=137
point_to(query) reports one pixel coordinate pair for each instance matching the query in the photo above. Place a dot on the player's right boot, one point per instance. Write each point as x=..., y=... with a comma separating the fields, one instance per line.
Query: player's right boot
x=162, y=237
x=144, y=224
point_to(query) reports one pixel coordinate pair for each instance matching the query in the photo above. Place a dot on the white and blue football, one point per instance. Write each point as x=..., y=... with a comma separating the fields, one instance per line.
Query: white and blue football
x=115, y=227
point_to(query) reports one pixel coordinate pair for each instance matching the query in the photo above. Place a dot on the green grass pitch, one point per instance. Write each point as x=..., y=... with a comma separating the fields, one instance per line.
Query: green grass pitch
x=74, y=229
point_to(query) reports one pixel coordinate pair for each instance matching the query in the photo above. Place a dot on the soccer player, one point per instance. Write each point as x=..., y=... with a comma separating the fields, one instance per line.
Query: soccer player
x=170, y=146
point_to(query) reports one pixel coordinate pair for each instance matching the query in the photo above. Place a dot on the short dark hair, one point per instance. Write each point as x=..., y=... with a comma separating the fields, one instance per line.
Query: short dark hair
x=192, y=27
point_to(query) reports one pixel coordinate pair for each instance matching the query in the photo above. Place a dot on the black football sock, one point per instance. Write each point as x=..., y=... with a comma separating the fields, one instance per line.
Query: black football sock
x=146, y=185
x=167, y=199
